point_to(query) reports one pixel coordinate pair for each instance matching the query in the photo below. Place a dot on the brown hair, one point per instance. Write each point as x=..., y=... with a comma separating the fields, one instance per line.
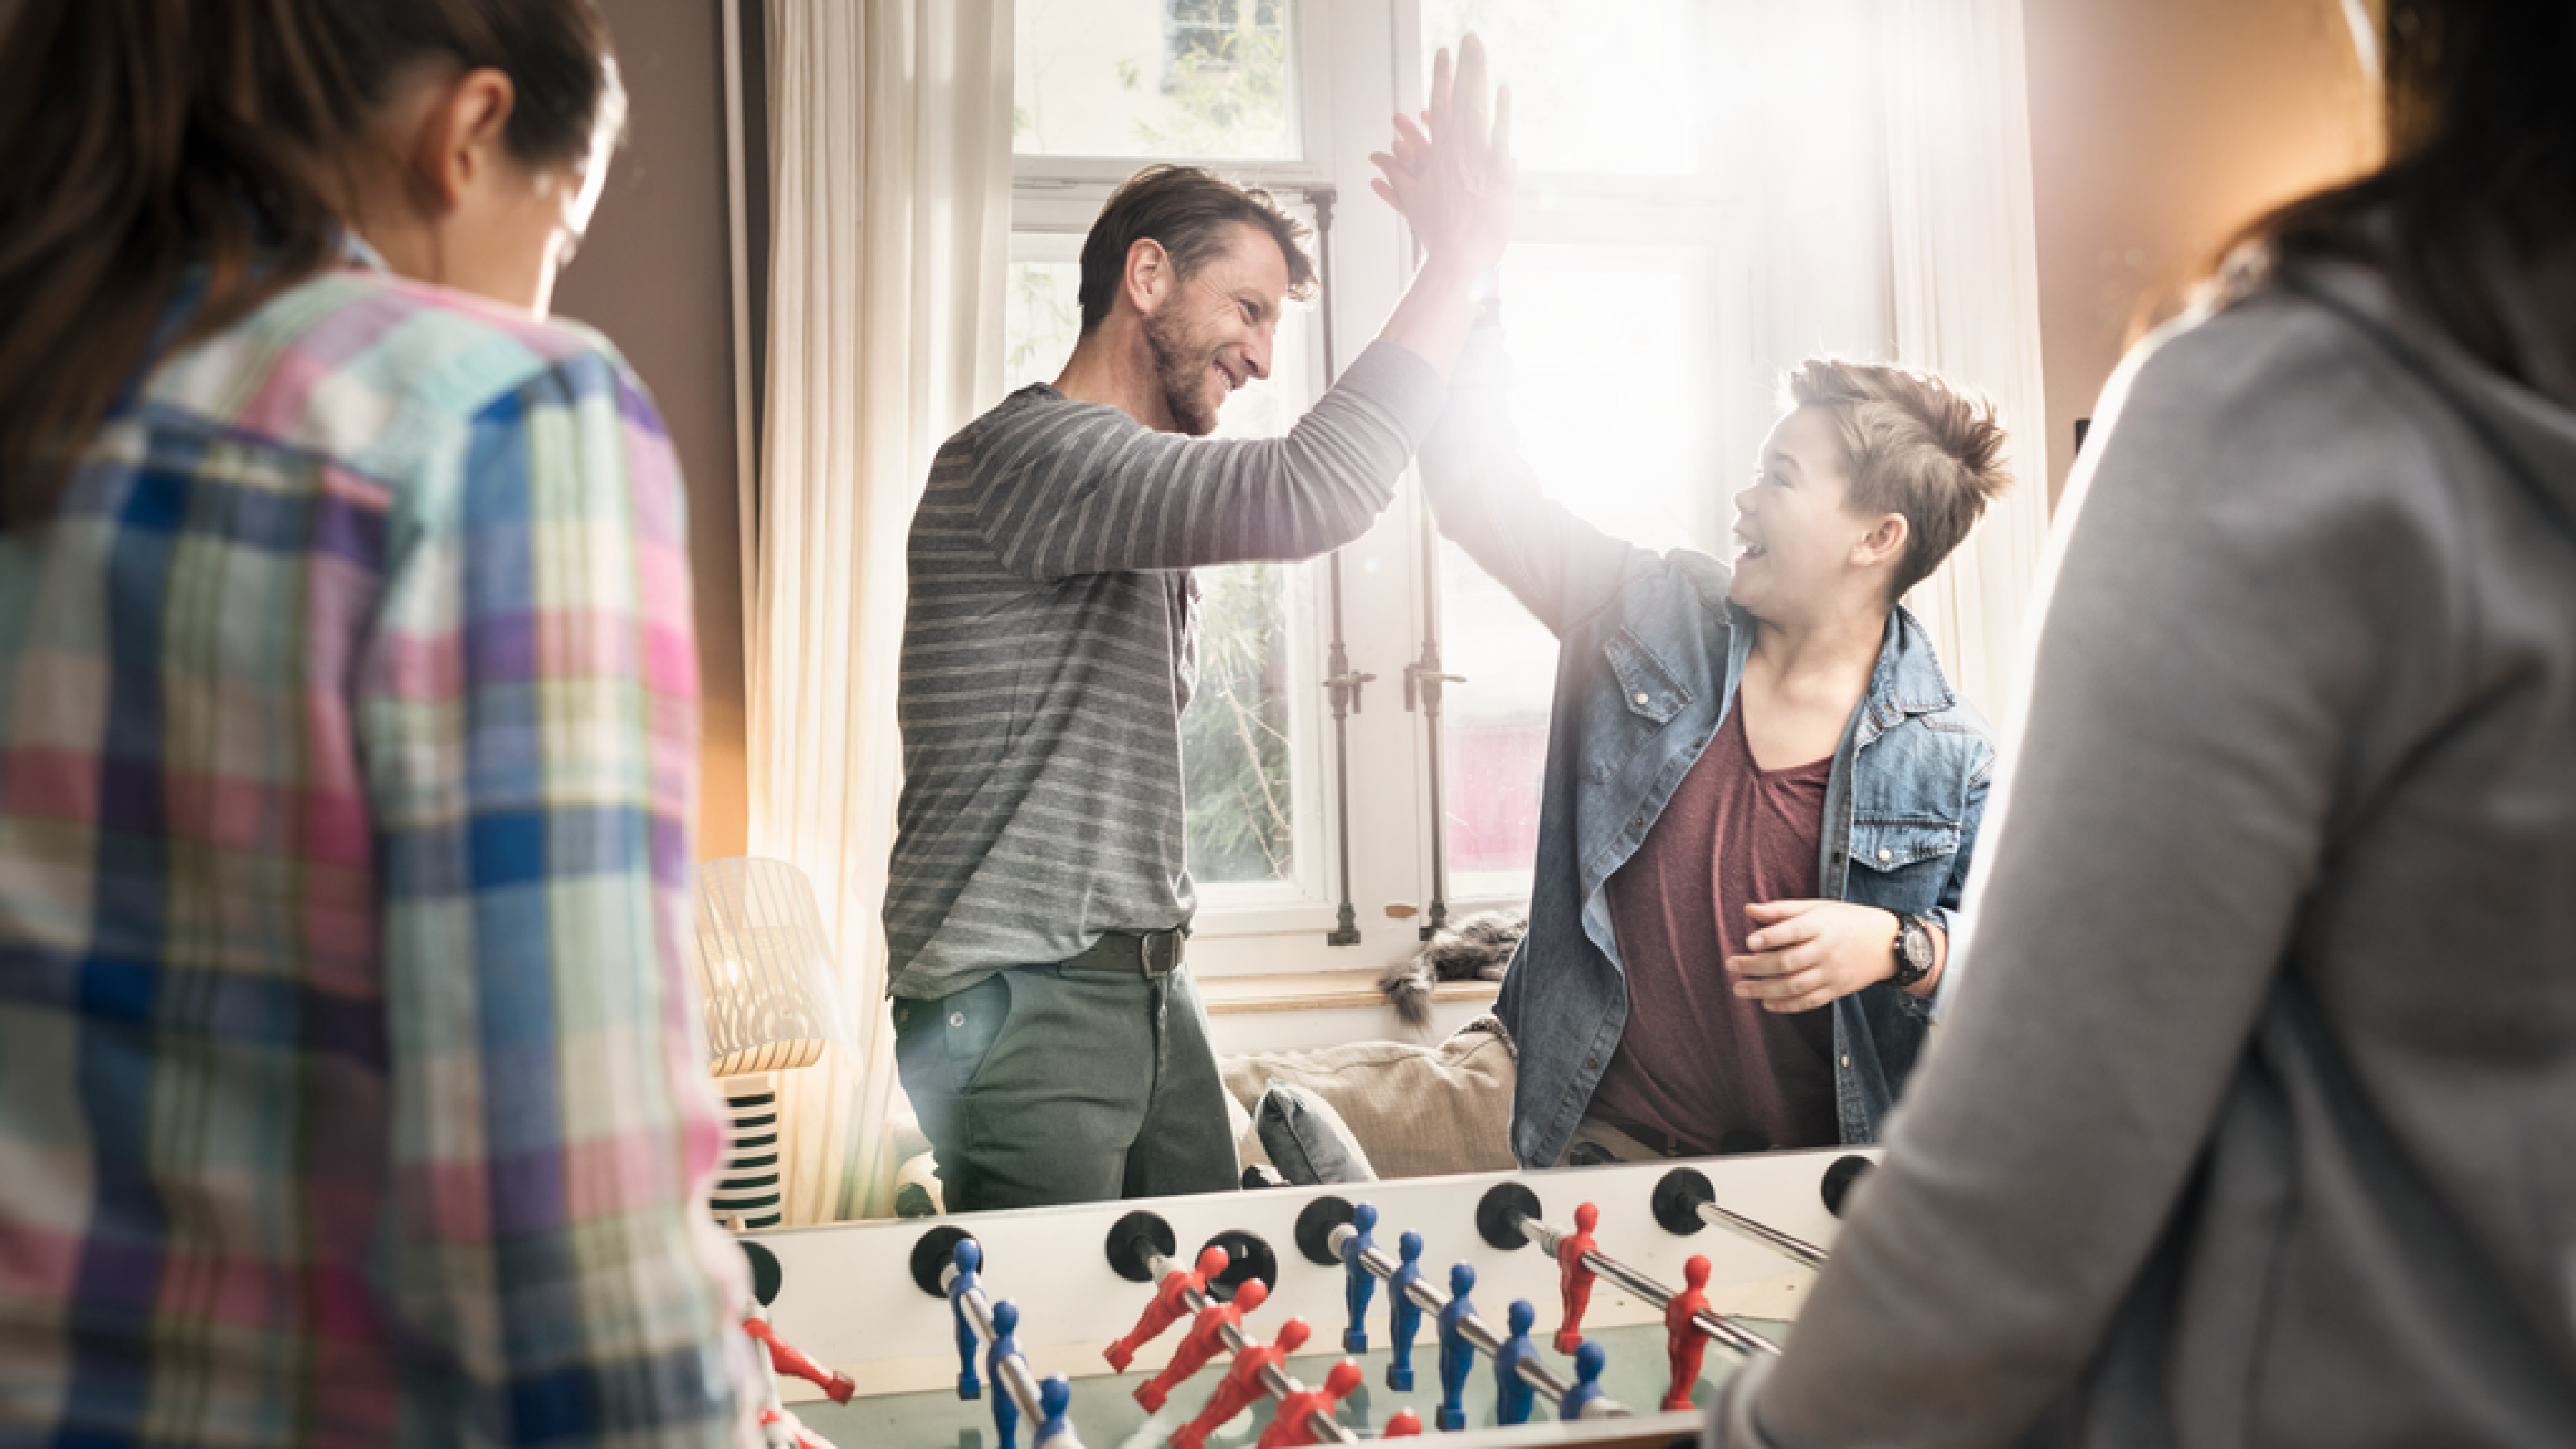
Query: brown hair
x=2480, y=104
x=140, y=138
x=1192, y=212
x=1912, y=445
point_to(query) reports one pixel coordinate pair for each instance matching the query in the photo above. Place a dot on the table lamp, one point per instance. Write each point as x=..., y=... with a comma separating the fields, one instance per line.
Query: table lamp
x=766, y=972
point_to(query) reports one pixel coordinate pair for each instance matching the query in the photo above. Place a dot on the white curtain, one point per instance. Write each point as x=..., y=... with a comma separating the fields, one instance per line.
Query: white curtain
x=890, y=171
x=1966, y=294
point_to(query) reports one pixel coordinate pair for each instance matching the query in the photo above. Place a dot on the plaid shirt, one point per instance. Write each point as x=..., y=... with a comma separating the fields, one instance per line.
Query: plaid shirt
x=351, y=1087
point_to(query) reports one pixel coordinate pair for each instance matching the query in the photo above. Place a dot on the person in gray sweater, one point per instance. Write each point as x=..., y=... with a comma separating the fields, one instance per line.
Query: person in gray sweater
x=1038, y=895
x=2251, y=1120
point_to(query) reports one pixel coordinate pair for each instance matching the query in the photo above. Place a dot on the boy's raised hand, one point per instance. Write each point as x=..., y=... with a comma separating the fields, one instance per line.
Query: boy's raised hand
x=1451, y=177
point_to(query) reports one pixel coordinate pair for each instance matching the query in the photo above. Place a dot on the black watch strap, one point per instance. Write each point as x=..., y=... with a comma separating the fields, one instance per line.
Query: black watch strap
x=1912, y=965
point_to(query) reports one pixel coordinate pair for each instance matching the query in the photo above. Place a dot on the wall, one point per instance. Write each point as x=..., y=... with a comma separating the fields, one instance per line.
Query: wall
x=2158, y=127
x=655, y=275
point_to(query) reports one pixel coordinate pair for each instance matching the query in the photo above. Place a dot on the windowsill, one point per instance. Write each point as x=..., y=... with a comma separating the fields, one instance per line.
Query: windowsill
x=1318, y=990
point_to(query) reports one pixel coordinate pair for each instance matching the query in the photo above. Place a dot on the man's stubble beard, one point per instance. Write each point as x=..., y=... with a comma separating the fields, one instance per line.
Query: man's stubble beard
x=1182, y=376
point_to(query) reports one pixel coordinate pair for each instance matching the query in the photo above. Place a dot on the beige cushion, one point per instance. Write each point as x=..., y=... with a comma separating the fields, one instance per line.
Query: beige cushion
x=1415, y=1110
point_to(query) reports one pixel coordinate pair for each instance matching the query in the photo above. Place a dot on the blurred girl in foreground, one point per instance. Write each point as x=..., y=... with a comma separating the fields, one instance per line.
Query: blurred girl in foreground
x=2253, y=1117
x=348, y=1086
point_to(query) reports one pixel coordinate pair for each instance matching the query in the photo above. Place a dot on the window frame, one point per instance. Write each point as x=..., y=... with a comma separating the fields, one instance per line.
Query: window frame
x=1357, y=62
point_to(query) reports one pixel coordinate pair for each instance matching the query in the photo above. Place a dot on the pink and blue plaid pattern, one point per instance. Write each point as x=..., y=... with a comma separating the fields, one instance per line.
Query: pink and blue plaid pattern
x=350, y=1084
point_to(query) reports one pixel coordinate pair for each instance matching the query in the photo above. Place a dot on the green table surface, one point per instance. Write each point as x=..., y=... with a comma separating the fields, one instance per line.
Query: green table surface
x=1106, y=1415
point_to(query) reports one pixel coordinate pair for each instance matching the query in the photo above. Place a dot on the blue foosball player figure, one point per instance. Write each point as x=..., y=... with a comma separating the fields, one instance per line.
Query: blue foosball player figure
x=1456, y=1354
x=1055, y=1397
x=1513, y=1396
x=1006, y=1344
x=1403, y=1315
x=1358, y=1282
x=968, y=1258
x=1589, y=1360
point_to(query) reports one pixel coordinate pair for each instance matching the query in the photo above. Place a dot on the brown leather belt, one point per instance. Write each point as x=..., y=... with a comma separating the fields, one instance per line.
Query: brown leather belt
x=1137, y=953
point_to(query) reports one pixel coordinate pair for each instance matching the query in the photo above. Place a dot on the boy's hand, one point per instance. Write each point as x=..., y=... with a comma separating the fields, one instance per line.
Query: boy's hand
x=1807, y=954
x=1451, y=177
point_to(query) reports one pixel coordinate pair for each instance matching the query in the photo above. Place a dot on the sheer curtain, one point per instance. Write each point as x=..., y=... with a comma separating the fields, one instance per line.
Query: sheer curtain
x=890, y=171
x=1966, y=300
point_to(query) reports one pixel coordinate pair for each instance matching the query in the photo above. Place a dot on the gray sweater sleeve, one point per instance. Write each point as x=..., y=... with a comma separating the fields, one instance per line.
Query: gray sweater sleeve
x=2246, y=592
x=1075, y=488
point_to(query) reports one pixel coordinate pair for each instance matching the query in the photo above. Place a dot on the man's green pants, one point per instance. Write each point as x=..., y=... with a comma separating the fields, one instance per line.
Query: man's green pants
x=1055, y=1084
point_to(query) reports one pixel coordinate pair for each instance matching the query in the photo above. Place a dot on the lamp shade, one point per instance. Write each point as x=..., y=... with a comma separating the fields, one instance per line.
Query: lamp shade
x=764, y=967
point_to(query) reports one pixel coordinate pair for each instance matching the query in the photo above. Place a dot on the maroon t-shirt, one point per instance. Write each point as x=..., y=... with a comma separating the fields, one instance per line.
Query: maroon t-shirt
x=1696, y=1063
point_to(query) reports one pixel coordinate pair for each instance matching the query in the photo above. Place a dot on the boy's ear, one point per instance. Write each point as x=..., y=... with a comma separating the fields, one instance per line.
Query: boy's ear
x=1884, y=543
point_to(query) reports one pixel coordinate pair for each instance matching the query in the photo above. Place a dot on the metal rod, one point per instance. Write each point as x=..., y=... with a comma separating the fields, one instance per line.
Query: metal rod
x=1012, y=1373
x=1275, y=1380
x=1763, y=1233
x=1430, y=1298
x=772, y=1432
x=1724, y=1330
x=1339, y=677
x=1423, y=679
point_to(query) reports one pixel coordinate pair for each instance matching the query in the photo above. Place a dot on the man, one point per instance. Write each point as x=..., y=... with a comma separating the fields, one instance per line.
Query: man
x=1761, y=796
x=1038, y=903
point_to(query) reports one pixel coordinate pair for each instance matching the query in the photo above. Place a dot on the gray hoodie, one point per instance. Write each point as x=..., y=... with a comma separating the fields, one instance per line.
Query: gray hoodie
x=2252, y=1120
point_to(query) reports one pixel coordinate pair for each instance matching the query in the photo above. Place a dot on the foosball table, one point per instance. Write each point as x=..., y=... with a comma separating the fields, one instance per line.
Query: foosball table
x=1568, y=1307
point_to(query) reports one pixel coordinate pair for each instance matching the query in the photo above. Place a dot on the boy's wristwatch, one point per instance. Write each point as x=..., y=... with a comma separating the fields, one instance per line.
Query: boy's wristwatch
x=1913, y=947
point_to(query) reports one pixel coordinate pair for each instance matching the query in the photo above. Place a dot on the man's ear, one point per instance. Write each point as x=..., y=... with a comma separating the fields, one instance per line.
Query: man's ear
x=1884, y=543
x=462, y=136
x=1149, y=274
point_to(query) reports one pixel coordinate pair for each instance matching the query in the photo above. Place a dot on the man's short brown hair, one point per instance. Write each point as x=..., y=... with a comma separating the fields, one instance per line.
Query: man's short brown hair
x=1912, y=445
x=1192, y=212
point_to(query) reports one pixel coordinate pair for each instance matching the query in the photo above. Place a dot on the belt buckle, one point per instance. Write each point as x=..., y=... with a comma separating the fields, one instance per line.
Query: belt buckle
x=1158, y=953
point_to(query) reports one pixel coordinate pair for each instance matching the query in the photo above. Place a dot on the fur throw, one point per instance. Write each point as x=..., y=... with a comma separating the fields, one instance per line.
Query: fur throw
x=1475, y=948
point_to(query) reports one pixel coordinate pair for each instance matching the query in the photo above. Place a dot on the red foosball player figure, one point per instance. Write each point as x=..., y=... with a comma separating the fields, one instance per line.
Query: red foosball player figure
x=784, y=1358
x=1171, y=1304
x=1241, y=1387
x=1402, y=1424
x=1206, y=1341
x=1683, y=1342
x=1291, y=1426
x=1573, y=1279
x=779, y=1427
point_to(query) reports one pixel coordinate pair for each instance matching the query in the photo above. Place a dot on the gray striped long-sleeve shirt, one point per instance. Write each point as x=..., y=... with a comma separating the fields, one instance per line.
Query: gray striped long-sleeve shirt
x=1049, y=647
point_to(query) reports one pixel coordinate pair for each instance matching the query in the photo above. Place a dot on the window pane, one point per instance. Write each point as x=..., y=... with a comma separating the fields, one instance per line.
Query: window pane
x=1175, y=80
x=1631, y=450
x=1250, y=797
x=1605, y=86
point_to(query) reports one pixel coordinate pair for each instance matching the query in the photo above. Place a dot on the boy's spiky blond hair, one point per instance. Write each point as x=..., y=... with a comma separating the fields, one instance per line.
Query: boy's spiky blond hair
x=1912, y=445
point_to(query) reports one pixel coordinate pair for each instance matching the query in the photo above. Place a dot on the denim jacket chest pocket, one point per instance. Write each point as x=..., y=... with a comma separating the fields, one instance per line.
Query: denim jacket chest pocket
x=1901, y=863
x=1648, y=695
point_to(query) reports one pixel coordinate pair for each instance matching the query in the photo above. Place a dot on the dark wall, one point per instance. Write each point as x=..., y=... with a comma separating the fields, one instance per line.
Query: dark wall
x=655, y=274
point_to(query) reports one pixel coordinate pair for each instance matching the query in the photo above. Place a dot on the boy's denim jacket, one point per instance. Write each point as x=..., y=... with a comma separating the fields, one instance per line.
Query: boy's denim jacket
x=1649, y=654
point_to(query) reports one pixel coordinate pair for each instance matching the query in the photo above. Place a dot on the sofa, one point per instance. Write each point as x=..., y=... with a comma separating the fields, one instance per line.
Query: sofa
x=1399, y=1109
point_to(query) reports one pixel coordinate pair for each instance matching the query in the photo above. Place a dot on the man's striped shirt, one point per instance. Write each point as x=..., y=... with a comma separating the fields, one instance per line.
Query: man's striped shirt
x=1050, y=647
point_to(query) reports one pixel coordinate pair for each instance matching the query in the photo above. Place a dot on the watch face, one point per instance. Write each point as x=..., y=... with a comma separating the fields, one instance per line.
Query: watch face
x=1918, y=946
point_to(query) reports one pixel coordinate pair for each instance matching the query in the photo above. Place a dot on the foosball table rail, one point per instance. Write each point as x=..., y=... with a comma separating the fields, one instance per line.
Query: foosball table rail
x=851, y=1296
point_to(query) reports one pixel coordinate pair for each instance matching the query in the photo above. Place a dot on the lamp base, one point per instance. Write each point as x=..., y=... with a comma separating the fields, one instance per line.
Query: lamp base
x=748, y=1189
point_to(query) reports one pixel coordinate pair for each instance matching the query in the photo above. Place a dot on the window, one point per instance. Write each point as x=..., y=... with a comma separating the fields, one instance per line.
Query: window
x=1687, y=214
x=1220, y=37
x=1169, y=80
